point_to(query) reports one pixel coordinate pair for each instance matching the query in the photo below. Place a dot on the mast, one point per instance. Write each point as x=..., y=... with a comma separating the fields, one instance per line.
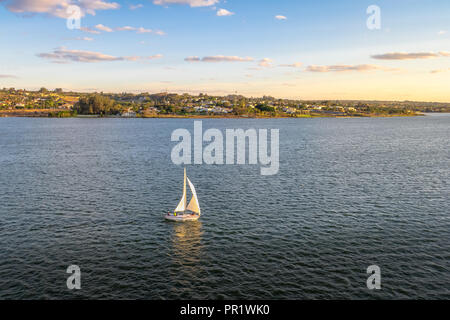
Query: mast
x=184, y=187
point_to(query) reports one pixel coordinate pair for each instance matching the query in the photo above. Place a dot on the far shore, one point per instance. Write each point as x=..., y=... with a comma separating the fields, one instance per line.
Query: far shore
x=46, y=113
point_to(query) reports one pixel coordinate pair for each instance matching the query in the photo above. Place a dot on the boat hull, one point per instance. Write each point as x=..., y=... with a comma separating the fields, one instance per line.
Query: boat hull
x=182, y=217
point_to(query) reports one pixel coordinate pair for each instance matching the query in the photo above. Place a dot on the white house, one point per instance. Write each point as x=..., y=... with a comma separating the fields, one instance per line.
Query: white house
x=129, y=113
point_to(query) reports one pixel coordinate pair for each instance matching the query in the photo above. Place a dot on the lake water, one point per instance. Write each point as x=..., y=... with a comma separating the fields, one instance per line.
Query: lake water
x=350, y=193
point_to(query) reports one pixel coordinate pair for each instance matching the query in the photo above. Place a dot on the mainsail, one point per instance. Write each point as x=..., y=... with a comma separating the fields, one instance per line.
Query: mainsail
x=193, y=205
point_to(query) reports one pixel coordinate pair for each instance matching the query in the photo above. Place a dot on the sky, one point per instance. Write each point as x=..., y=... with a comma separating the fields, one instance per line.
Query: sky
x=308, y=49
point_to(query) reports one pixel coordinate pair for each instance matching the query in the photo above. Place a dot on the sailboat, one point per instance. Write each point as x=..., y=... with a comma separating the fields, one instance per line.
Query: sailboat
x=183, y=212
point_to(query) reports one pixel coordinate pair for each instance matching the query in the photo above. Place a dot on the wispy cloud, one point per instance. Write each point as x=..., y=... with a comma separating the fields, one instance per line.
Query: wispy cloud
x=280, y=17
x=140, y=58
x=265, y=63
x=440, y=70
x=126, y=28
x=144, y=30
x=192, y=3
x=58, y=8
x=405, y=56
x=7, y=76
x=81, y=39
x=141, y=30
x=224, y=13
x=63, y=55
x=159, y=32
x=193, y=59
x=442, y=32
x=89, y=30
x=347, y=68
x=219, y=58
x=135, y=6
x=104, y=28
x=292, y=65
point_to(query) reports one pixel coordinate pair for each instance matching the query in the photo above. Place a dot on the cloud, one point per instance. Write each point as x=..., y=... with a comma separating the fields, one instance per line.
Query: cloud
x=58, y=8
x=442, y=32
x=91, y=5
x=102, y=27
x=226, y=59
x=191, y=3
x=156, y=56
x=126, y=28
x=445, y=53
x=138, y=58
x=89, y=30
x=7, y=76
x=129, y=28
x=82, y=39
x=137, y=6
x=219, y=58
x=143, y=30
x=224, y=13
x=192, y=59
x=346, y=68
x=292, y=65
x=265, y=63
x=63, y=55
x=440, y=70
x=405, y=56
x=280, y=17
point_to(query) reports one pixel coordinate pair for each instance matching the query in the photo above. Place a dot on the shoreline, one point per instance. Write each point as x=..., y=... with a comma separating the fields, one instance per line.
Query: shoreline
x=46, y=113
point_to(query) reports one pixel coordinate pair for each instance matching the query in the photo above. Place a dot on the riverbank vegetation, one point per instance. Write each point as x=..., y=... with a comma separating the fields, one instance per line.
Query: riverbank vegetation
x=97, y=104
x=146, y=105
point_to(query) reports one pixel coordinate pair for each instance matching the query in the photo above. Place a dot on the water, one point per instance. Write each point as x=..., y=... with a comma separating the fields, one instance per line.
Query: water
x=350, y=193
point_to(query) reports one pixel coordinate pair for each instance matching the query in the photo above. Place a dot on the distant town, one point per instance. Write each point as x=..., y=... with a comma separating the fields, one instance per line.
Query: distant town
x=58, y=103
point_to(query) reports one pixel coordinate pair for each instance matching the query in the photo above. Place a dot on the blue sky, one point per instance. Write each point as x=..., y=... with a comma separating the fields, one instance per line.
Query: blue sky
x=313, y=50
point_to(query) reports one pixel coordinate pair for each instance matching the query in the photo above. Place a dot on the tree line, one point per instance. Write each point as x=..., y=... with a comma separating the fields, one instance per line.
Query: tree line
x=97, y=104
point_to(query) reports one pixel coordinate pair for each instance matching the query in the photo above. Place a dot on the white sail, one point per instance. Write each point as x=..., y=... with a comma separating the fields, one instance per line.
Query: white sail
x=182, y=205
x=193, y=206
